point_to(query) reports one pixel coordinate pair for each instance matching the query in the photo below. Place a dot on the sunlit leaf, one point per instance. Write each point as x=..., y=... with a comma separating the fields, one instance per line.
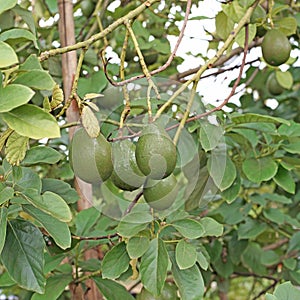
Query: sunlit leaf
x=32, y=121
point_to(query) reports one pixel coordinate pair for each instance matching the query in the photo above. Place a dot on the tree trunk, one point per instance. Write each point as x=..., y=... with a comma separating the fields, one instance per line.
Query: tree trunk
x=69, y=64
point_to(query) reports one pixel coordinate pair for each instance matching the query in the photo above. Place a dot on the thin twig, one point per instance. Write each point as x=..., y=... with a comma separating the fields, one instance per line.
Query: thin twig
x=219, y=62
x=133, y=203
x=132, y=14
x=167, y=63
x=266, y=289
x=95, y=238
x=236, y=83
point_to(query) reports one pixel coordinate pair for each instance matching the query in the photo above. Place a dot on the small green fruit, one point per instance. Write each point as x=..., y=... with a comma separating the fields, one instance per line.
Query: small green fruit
x=160, y=194
x=273, y=85
x=155, y=152
x=126, y=174
x=150, y=57
x=87, y=7
x=276, y=47
x=90, y=158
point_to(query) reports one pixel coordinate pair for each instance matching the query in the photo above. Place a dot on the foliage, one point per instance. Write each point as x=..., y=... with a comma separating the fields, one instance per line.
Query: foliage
x=233, y=227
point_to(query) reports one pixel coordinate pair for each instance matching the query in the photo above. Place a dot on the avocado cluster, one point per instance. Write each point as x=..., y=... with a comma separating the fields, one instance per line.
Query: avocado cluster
x=148, y=163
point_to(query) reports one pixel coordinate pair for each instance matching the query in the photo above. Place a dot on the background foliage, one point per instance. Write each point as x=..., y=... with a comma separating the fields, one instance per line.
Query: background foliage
x=237, y=234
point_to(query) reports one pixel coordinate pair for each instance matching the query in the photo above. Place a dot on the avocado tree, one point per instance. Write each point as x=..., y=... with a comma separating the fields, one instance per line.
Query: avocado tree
x=118, y=180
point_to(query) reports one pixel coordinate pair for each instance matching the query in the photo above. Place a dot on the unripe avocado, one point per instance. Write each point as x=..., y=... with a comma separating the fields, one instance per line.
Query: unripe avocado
x=90, y=158
x=155, y=152
x=273, y=85
x=276, y=47
x=126, y=174
x=160, y=194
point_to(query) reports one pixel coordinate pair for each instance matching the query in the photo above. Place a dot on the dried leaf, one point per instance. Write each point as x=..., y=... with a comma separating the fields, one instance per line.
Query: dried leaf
x=92, y=106
x=57, y=97
x=90, y=122
x=16, y=148
x=91, y=96
x=4, y=136
x=46, y=104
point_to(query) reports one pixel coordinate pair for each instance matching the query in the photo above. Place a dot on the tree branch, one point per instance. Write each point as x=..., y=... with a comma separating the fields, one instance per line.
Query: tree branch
x=85, y=44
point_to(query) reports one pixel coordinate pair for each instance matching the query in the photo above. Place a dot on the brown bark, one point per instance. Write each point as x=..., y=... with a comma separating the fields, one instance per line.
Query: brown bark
x=69, y=64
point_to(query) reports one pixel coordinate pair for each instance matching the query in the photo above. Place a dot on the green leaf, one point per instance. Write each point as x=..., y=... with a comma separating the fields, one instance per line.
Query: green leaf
x=3, y=222
x=36, y=79
x=6, y=194
x=222, y=170
x=85, y=220
x=6, y=5
x=27, y=17
x=133, y=223
x=210, y=136
x=287, y=25
x=185, y=254
x=154, y=266
x=270, y=258
x=32, y=121
x=137, y=246
x=23, y=255
x=95, y=83
x=287, y=291
x=50, y=203
x=224, y=25
x=278, y=198
x=260, y=169
x=189, y=228
x=251, y=258
x=115, y=262
x=274, y=215
x=285, y=180
x=202, y=259
x=234, y=11
x=8, y=57
x=211, y=227
x=293, y=148
x=189, y=282
x=233, y=191
x=58, y=230
x=285, y=79
x=112, y=290
x=6, y=280
x=55, y=286
x=14, y=95
x=31, y=63
x=251, y=229
x=223, y=266
x=42, y=154
x=61, y=188
x=30, y=179
x=292, y=130
x=256, y=118
x=240, y=38
x=18, y=33
x=16, y=147
x=294, y=243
